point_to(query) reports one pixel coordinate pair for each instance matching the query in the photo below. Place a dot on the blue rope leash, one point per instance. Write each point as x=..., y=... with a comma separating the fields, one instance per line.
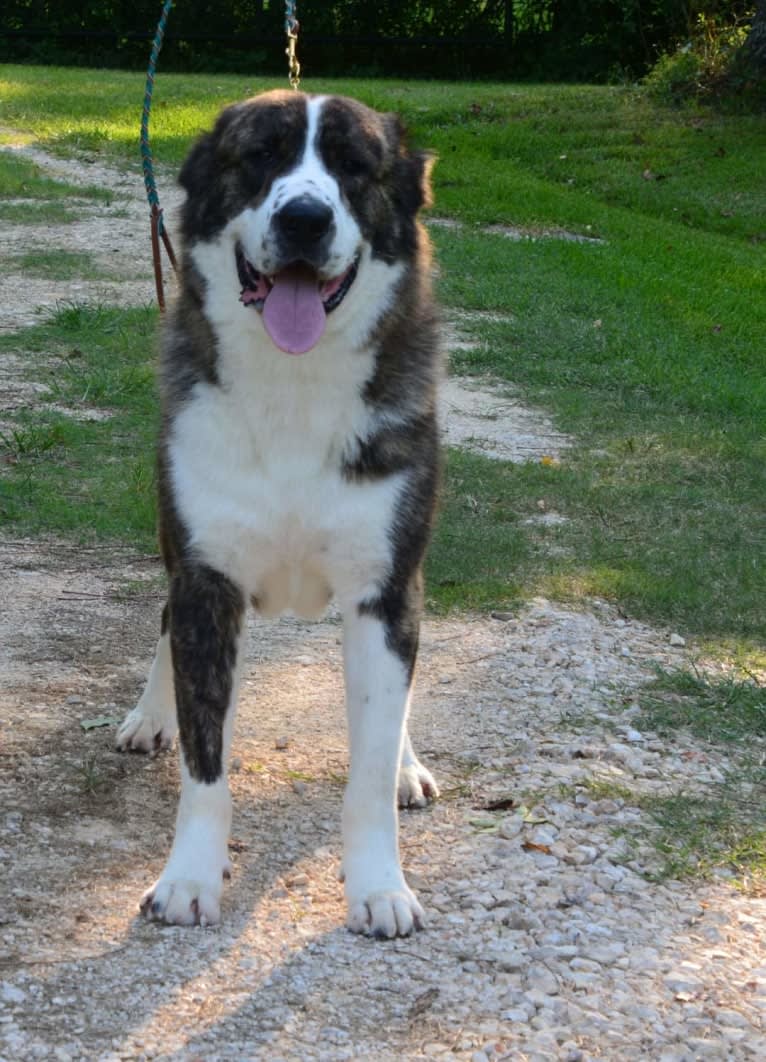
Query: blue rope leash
x=146, y=151
x=291, y=21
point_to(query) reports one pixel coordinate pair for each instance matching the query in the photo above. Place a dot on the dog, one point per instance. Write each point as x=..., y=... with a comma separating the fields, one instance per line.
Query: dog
x=298, y=461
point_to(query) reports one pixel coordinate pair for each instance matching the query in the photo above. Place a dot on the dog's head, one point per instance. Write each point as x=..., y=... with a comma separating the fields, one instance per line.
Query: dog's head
x=301, y=196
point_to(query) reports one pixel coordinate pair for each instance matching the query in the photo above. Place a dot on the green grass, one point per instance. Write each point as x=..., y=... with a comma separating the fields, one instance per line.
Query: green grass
x=724, y=827
x=32, y=440
x=89, y=479
x=36, y=199
x=727, y=709
x=22, y=179
x=57, y=264
x=563, y=154
x=694, y=833
x=37, y=213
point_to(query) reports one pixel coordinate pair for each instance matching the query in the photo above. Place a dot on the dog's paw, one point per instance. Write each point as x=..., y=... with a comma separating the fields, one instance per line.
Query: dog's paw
x=144, y=730
x=416, y=787
x=388, y=914
x=184, y=901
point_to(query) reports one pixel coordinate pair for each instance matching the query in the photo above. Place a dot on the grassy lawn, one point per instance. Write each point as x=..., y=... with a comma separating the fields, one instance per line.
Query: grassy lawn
x=647, y=346
x=29, y=197
x=645, y=343
x=93, y=478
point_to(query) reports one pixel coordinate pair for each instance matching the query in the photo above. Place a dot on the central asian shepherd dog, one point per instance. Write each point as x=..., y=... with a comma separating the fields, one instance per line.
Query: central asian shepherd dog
x=298, y=462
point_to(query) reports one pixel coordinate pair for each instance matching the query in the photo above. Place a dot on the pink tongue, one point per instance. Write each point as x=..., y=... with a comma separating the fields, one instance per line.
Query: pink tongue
x=293, y=312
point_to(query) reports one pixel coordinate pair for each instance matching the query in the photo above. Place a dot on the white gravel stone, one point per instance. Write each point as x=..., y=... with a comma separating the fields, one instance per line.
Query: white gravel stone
x=11, y=994
x=511, y=826
x=683, y=981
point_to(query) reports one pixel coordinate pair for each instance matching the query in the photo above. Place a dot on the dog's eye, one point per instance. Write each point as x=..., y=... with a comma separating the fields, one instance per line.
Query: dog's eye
x=261, y=154
x=353, y=166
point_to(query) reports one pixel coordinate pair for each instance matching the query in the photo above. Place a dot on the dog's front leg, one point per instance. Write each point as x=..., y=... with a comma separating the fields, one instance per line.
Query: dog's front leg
x=206, y=612
x=380, y=644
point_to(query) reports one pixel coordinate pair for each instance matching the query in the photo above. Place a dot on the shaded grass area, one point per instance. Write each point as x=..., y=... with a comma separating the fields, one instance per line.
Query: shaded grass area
x=88, y=478
x=724, y=827
x=660, y=531
x=37, y=213
x=662, y=378
x=56, y=264
x=22, y=179
x=727, y=709
x=647, y=346
x=29, y=197
x=721, y=826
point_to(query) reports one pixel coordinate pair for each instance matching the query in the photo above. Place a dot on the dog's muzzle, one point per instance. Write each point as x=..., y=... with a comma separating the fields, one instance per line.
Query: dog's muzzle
x=304, y=228
x=296, y=299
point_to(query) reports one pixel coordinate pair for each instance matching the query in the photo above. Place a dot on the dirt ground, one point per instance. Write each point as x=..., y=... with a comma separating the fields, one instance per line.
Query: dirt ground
x=547, y=937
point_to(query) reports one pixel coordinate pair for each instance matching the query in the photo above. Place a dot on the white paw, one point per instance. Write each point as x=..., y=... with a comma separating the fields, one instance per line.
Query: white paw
x=183, y=901
x=146, y=730
x=386, y=914
x=416, y=786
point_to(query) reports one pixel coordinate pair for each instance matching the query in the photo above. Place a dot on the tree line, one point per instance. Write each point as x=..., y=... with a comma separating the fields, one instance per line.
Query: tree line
x=511, y=39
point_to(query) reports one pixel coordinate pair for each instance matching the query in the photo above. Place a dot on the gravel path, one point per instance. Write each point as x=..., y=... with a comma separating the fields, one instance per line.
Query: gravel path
x=547, y=938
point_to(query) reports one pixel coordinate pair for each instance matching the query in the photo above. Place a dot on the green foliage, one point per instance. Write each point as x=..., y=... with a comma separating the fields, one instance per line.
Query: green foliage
x=675, y=77
x=541, y=39
x=713, y=64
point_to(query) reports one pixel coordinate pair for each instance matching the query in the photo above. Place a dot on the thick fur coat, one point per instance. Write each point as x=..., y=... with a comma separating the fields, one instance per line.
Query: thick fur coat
x=298, y=462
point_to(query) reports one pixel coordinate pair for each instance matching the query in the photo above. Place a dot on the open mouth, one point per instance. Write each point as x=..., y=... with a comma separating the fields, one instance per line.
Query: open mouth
x=295, y=301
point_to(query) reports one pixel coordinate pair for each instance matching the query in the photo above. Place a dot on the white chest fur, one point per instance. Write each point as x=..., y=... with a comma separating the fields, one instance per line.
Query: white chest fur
x=256, y=461
x=256, y=472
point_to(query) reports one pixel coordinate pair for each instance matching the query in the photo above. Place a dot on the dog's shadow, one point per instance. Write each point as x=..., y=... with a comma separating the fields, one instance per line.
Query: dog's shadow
x=282, y=956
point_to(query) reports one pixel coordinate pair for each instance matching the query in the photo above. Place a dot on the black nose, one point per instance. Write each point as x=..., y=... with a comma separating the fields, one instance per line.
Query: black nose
x=304, y=220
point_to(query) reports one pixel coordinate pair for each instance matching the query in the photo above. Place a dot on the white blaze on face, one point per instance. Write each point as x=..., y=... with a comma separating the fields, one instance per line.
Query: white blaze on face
x=297, y=307
x=294, y=312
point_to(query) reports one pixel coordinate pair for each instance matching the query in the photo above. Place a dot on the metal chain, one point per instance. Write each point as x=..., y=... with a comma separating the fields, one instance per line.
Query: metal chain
x=291, y=29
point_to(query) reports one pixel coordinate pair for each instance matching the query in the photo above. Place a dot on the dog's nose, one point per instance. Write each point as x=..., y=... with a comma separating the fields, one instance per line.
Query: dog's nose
x=304, y=220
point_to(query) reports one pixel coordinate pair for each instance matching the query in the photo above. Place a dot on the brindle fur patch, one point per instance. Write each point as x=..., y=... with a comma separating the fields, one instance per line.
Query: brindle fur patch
x=206, y=611
x=234, y=166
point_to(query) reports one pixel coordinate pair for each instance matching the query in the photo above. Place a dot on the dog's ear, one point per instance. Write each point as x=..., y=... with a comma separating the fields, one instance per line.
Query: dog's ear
x=425, y=162
x=411, y=170
x=210, y=152
x=199, y=166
